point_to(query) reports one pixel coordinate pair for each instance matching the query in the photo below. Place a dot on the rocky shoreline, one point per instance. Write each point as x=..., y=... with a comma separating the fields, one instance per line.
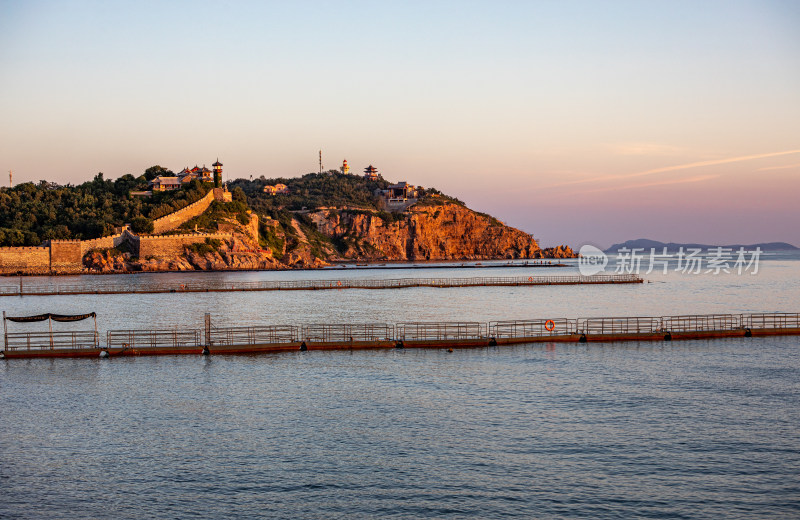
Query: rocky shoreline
x=442, y=232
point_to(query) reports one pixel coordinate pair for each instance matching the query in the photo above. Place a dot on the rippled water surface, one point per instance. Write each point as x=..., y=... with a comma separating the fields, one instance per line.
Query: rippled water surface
x=693, y=429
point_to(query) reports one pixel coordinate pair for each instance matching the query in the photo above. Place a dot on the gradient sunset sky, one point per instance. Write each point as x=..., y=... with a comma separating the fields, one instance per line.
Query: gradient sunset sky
x=579, y=122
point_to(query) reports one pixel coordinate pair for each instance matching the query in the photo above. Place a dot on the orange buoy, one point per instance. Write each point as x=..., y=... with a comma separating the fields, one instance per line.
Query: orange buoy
x=530, y=278
x=549, y=325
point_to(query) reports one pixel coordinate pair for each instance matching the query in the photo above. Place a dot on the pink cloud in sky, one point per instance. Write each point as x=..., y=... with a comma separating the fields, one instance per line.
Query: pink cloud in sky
x=697, y=164
x=706, y=201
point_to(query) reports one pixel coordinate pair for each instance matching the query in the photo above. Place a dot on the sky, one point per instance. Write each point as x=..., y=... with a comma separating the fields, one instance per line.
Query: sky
x=579, y=122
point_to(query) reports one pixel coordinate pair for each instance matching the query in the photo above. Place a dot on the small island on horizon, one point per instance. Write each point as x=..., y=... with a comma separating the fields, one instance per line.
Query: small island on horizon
x=647, y=244
x=189, y=221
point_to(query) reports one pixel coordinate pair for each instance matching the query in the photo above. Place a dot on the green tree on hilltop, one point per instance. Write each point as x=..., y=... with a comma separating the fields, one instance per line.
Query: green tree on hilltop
x=331, y=189
x=157, y=171
x=31, y=213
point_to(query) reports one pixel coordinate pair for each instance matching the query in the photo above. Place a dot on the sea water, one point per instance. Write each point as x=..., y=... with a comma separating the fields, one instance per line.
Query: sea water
x=689, y=429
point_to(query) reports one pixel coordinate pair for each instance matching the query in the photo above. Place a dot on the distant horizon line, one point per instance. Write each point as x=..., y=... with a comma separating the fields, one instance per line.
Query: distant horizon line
x=659, y=243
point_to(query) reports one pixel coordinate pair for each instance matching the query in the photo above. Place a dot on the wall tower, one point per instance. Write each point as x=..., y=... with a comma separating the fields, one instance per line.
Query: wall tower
x=217, y=173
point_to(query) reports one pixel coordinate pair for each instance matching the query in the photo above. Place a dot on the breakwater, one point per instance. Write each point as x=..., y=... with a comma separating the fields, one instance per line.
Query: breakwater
x=440, y=265
x=283, y=338
x=311, y=285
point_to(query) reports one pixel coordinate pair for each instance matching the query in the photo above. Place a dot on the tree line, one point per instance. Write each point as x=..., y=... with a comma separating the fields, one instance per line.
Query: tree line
x=33, y=213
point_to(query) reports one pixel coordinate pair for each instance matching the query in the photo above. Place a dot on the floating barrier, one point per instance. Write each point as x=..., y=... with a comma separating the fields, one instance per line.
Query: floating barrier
x=53, y=341
x=163, y=341
x=282, y=338
x=313, y=285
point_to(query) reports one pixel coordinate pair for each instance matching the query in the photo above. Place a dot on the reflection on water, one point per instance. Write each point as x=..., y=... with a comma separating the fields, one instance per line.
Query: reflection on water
x=692, y=429
x=696, y=429
x=776, y=288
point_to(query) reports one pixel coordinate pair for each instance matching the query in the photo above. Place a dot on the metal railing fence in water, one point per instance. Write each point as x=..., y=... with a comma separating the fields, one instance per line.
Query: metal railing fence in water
x=610, y=327
x=297, y=285
x=701, y=323
x=780, y=320
x=153, y=338
x=330, y=332
x=52, y=340
x=619, y=325
x=253, y=335
x=440, y=330
x=532, y=328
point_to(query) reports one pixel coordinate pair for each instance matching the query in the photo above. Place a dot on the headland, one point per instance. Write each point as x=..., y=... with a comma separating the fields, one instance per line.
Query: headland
x=191, y=221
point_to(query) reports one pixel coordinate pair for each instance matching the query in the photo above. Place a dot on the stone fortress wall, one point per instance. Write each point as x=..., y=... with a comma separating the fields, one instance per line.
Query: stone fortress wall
x=195, y=209
x=66, y=256
x=183, y=215
x=102, y=243
x=28, y=260
x=152, y=246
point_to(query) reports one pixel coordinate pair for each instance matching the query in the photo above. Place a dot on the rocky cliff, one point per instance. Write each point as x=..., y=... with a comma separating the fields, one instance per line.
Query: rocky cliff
x=319, y=218
x=236, y=253
x=444, y=230
x=447, y=231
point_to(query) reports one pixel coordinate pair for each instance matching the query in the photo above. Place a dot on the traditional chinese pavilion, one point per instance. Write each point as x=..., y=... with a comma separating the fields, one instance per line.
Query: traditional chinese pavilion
x=371, y=173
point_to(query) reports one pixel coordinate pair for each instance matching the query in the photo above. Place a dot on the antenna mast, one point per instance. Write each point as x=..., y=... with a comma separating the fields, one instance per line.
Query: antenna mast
x=320, y=161
x=10, y=179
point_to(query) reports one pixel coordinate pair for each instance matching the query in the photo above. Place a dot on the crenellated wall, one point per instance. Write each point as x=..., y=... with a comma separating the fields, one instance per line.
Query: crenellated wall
x=28, y=260
x=222, y=195
x=101, y=243
x=174, y=220
x=66, y=256
x=150, y=246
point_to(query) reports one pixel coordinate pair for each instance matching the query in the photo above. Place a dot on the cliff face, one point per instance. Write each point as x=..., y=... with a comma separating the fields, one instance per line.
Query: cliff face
x=443, y=232
x=236, y=253
x=446, y=231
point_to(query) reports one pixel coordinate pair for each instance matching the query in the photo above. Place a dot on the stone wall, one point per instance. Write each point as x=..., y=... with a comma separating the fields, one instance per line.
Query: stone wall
x=222, y=195
x=150, y=246
x=101, y=243
x=65, y=256
x=29, y=260
x=174, y=220
x=252, y=226
x=133, y=241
